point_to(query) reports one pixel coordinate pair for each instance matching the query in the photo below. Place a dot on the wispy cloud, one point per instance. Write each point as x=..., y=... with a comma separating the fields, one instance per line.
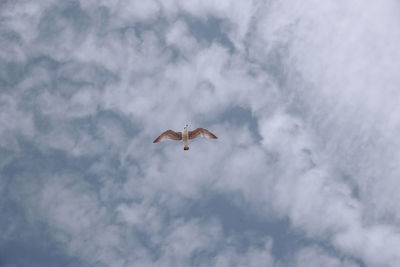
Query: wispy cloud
x=302, y=96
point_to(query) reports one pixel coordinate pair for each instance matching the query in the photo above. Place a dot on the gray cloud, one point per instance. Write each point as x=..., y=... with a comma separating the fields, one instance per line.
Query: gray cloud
x=302, y=96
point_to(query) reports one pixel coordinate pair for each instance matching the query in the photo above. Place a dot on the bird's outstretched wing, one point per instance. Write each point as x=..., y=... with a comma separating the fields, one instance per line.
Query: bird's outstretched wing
x=169, y=134
x=203, y=132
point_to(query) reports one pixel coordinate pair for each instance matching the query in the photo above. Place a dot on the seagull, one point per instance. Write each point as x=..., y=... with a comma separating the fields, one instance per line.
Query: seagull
x=185, y=136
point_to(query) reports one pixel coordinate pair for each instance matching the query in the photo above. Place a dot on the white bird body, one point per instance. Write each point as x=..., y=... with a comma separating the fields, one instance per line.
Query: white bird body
x=185, y=136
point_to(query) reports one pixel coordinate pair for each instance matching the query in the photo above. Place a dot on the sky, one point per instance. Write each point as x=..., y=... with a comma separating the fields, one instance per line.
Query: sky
x=303, y=96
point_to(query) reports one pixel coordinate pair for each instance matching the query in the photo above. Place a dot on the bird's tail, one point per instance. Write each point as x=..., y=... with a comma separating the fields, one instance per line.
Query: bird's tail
x=186, y=148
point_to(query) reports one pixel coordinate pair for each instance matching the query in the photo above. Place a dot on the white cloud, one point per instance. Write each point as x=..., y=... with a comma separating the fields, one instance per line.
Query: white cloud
x=179, y=36
x=254, y=256
x=319, y=78
x=343, y=74
x=14, y=122
x=314, y=256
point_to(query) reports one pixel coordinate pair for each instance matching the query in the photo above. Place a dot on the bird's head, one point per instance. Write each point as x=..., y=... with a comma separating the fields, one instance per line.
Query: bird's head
x=185, y=127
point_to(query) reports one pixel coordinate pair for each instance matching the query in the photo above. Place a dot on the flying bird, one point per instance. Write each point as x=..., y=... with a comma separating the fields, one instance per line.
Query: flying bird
x=185, y=136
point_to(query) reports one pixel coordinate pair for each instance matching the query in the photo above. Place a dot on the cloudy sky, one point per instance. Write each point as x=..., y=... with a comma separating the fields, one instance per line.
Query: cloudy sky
x=303, y=95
